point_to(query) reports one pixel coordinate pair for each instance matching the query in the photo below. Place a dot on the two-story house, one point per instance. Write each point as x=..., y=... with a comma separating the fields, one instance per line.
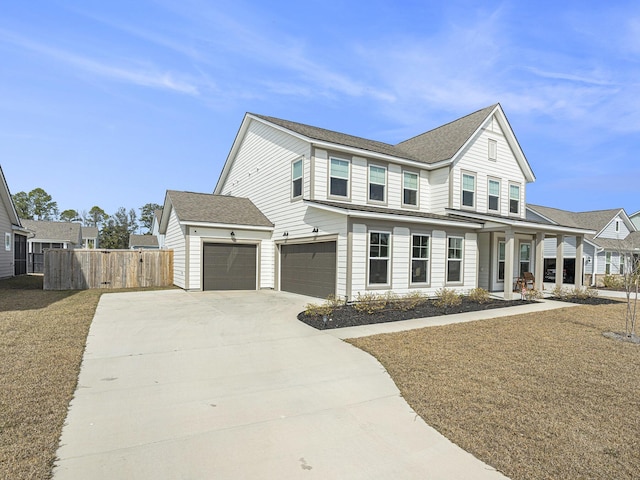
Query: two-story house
x=615, y=236
x=350, y=215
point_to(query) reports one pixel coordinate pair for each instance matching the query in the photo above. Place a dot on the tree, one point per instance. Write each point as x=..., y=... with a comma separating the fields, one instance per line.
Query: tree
x=23, y=205
x=147, y=213
x=70, y=216
x=117, y=229
x=630, y=272
x=44, y=208
x=95, y=218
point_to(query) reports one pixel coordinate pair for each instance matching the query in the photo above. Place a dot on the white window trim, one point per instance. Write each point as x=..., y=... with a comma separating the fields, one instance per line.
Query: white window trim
x=369, y=183
x=513, y=184
x=462, y=190
x=489, y=180
x=387, y=258
x=492, y=153
x=417, y=190
x=7, y=241
x=301, y=178
x=447, y=259
x=520, y=261
x=331, y=195
x=428, y=261
x=501, y=280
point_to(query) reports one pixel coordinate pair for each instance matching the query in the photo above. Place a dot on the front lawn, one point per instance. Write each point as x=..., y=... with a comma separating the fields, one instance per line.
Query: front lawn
x=541, y=395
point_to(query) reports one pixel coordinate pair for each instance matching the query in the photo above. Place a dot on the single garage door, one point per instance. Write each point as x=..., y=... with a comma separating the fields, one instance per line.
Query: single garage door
x=229, y=266
x=308, y=268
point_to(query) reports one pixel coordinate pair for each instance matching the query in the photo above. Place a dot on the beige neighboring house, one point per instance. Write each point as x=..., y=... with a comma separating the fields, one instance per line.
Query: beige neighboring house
x=90, y=237
x=45, y=234
x=143, y=242
x=13, y=256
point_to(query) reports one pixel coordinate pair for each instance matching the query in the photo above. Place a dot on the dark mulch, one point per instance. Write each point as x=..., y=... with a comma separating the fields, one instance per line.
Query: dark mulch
x=347, y=316
x=586, y=301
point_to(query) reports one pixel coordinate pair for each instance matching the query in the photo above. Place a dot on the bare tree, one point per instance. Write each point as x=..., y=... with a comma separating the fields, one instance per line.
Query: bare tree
x=629, y=269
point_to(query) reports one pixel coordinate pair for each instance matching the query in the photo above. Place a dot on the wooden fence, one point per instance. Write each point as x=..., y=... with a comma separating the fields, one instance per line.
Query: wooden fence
x=83, y=269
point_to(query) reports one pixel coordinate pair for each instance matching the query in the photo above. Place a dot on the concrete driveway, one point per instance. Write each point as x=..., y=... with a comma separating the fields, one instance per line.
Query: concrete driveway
x=229, y=385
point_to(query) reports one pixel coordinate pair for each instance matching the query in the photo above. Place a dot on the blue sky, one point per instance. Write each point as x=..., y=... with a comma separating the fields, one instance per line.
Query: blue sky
x=111, y=103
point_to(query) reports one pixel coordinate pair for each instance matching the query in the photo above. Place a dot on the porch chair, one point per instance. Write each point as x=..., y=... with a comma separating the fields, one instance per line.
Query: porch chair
x=529, y=280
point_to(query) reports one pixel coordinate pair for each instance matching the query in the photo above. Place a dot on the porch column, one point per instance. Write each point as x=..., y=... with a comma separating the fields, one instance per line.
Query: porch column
x=539, y=266
x=559, y=260
x=579, y=252
x=509, y=249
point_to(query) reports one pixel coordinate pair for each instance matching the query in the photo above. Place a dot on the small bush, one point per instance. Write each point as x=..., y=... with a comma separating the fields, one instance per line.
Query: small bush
x=533, y=294
x=327, y=308
x=613, y=281
x=446, y=298
x=583, y=293
x=370, y=303
x=479, y=295
x=411, y=301
x=560, y=292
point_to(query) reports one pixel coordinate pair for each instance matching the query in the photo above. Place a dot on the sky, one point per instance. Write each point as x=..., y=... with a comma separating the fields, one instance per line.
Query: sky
x=112, y=103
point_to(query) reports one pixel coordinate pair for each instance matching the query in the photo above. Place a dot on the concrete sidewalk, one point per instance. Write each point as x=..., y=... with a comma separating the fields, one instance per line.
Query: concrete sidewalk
x=229, y=385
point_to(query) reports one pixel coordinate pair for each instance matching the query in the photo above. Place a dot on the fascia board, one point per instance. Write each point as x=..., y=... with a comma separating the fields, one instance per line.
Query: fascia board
x=233, y=151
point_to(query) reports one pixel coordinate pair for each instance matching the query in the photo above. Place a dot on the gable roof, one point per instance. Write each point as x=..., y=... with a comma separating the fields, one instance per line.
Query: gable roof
x=7, y=200
x=89, y=232
x=45, y=231
x=594, y=220
x=433, y=149
x=191, y=207
x=142, y=240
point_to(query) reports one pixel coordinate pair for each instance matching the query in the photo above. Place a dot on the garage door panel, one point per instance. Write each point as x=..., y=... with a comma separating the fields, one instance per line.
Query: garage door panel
x=308, y=268
x=229, y=266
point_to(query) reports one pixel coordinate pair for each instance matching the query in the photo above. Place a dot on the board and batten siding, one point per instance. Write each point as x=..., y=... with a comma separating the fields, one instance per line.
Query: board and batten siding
x=475, y=160
x=175, y=240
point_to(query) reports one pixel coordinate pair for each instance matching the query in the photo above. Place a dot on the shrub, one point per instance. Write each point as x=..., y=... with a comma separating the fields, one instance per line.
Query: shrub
x=446, y=298
x=613, y=281
x=411, y=301
x=582, y=293
x=327, y=308
x=560, y=292
x=533, y=294
x=479, y=295
x=370, y=303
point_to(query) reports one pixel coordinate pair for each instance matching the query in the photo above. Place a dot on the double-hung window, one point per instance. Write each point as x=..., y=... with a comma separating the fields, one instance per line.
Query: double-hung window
x=420, y=259
x=468, y=190
x=378, y=258
x=410, y=188
x=7, y=241
x=493, y=202
x=514, y=199
x=339, y=178
x=296, y=179
x=377, y=183
x=525, y=258
x=454, y=259
x=607, y=263
x=621, y=257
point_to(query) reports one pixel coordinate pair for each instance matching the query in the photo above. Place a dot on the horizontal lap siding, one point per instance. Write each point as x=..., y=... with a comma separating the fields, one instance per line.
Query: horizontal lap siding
x=175, y=240
x=610, y=230
x=439, y=191
x=6, y=257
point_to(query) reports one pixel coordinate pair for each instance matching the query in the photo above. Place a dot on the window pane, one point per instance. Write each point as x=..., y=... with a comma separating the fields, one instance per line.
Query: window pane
x=493, y=203
x=376, y=192
x=384, y=239
x=467, y=198
x=339, y=168
x=377, y=175
x=514, y=206
x=419, y=271
x=297, y=187
x=501, y=271
x=468, y=182
x=410, y=197
x=501, y=251
x=494, y=188
x=411, y=181
x=453, y=271
x=378, y=271
x=338, y=187
x=297, y=169
x=514, y=192
x=525, y=252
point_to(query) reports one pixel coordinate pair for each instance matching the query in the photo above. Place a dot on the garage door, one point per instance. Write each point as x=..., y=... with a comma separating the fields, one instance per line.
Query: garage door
x=229, y=266
x=308, y=268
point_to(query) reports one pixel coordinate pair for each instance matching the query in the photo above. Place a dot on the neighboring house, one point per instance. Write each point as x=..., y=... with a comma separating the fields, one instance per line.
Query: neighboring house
x=155, y=228
x=139, y=242
x=90, y=237
x=13, y=257
x=46, y=234
x=350, y=215
x=615, y=234
x=635, y=218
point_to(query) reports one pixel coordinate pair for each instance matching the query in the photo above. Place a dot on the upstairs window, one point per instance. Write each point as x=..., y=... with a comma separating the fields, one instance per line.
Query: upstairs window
x=514, y=199
x=493, y=150
x=468, y=190
x=454, y=259
x=378, y=258
x=617, y=225
x=339, y=178
x=493, y=202
x=377, y=183
x=296, y=179
x=420, y=259
x=410, y=188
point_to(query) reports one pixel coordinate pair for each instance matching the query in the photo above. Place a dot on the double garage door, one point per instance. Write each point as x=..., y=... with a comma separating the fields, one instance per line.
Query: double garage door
x=306, y=268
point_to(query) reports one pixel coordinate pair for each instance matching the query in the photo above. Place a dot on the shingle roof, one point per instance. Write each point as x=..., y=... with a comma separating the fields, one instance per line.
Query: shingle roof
x=430, y=147
x=143, y=241
x=210, y=208
x=89, y=232
x=53, y=231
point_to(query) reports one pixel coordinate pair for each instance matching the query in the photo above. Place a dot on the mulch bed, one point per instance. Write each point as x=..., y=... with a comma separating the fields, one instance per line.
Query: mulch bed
x=586, y=301
x=347, y=316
